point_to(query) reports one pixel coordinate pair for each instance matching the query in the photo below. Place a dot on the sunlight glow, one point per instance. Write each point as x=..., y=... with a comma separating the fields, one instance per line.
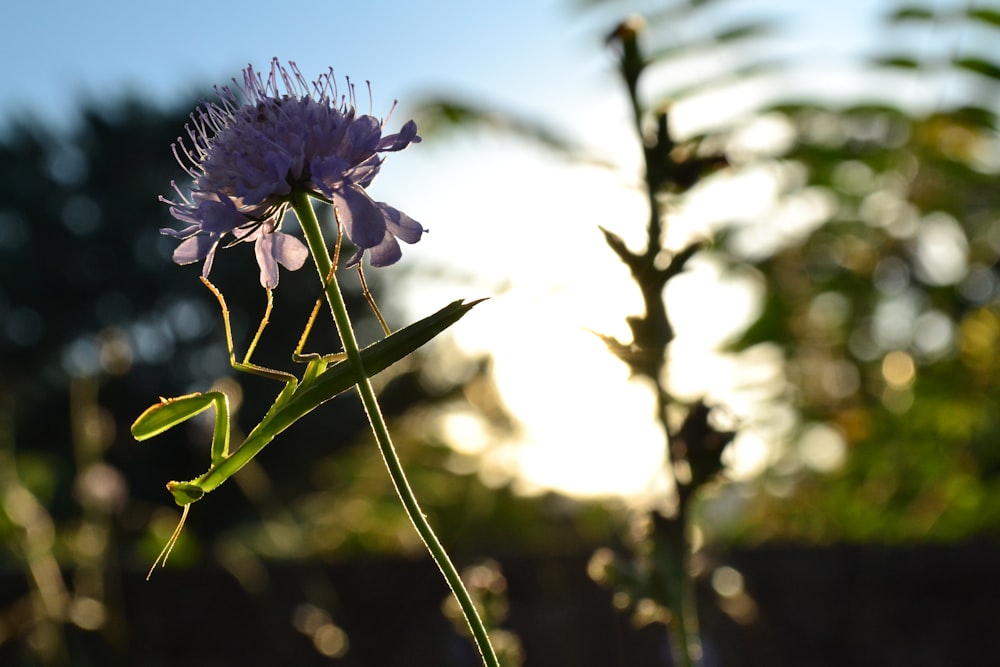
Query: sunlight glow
x=587, y=429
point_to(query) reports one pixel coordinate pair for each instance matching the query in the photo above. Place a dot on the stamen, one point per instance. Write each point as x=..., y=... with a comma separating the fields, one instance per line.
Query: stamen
x=189, y=170
x=351, y=92
x=389, y=115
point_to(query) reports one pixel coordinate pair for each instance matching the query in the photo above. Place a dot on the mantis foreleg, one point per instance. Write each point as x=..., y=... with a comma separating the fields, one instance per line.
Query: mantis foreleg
x=165, y=415
x=170, y=412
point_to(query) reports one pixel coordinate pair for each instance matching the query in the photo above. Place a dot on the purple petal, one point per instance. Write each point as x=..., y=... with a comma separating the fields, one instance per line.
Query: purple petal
x=363, y=221
x=363, y=174
x=263, y=248
x=269, y=177
x=185, y=214
x=328, y=173
x=362, y=138
x=401, y=225
x=219, y=216
x=355, y=258
x=385, y=253
x=290, y=252
x=195, y=249
x=399, y=141
x=206, y=267
x=272, y=248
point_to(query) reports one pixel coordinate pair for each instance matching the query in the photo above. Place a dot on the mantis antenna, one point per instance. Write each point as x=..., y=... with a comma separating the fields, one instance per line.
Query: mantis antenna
x=169, y=546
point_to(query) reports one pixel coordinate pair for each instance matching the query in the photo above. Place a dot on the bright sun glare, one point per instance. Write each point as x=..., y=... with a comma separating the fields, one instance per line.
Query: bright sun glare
x=587, y=428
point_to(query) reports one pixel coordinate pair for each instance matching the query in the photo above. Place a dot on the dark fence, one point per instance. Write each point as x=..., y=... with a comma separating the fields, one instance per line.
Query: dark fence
x=843, y=606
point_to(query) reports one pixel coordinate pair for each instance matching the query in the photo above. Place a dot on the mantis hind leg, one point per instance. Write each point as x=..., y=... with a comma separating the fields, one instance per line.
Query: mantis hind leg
x=246, y=365
x=371, y=301
x=298, y=354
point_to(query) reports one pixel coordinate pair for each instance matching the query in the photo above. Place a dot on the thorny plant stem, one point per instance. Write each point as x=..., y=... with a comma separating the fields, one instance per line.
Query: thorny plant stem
x=317, y=246
x=683, y=627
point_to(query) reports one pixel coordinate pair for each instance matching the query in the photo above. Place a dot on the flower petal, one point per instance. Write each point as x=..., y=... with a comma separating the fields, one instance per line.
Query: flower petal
x=355, y=258
x=385, y=253
x=328, y=173
x=363, y=221
x=263, y=248
x=362, y=138
x=219, y=216
x=194, y=249
x=397, y=142
x=401, y=225
x=264, y=178
x=267, y=137
x=290, y=252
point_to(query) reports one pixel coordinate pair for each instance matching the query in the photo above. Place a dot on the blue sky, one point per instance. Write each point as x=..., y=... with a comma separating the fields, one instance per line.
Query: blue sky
x=528, y=54
x=59, y=51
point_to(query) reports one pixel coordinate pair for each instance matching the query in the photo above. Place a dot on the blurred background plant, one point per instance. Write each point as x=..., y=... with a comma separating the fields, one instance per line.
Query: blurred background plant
x=861, y=226
x=870, y=369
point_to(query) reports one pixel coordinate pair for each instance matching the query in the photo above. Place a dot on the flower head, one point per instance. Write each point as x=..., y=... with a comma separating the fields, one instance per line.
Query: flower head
x=266, y=138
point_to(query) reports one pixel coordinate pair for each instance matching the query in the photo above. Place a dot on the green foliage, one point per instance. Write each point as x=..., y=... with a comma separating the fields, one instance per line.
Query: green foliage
x=888, y=318
x=984, y=16
x=978, y=66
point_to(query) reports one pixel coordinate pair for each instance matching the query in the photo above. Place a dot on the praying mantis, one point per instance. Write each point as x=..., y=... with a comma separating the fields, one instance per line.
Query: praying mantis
x=324, y=377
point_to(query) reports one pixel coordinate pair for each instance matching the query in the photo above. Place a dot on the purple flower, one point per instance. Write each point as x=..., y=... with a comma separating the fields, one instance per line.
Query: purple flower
x=268, y=138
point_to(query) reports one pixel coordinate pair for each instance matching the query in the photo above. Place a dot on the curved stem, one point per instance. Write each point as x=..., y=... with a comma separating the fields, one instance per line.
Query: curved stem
x=317, y=246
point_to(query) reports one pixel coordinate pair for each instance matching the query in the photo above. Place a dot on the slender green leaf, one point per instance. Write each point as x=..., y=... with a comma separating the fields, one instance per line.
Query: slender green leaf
x=754, y=29
x=911, y=13
x=974, y=116
x=985, y=15
x=380, y=355
x=898, y=62
x=978, y=66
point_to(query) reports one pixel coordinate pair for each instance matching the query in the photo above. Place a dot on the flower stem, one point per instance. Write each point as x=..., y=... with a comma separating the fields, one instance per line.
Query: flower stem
x=317, y=246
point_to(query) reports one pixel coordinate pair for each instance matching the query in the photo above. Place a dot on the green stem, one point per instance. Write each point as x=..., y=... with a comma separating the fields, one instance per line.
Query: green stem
x=679, y=595
x=674, y=564
x=317, y=246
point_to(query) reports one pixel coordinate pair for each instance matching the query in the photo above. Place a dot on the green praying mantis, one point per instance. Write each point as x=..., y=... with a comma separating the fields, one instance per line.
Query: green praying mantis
x=325, y=376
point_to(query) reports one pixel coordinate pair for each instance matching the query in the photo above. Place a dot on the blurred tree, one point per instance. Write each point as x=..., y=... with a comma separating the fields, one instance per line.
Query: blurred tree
x=887, y=309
